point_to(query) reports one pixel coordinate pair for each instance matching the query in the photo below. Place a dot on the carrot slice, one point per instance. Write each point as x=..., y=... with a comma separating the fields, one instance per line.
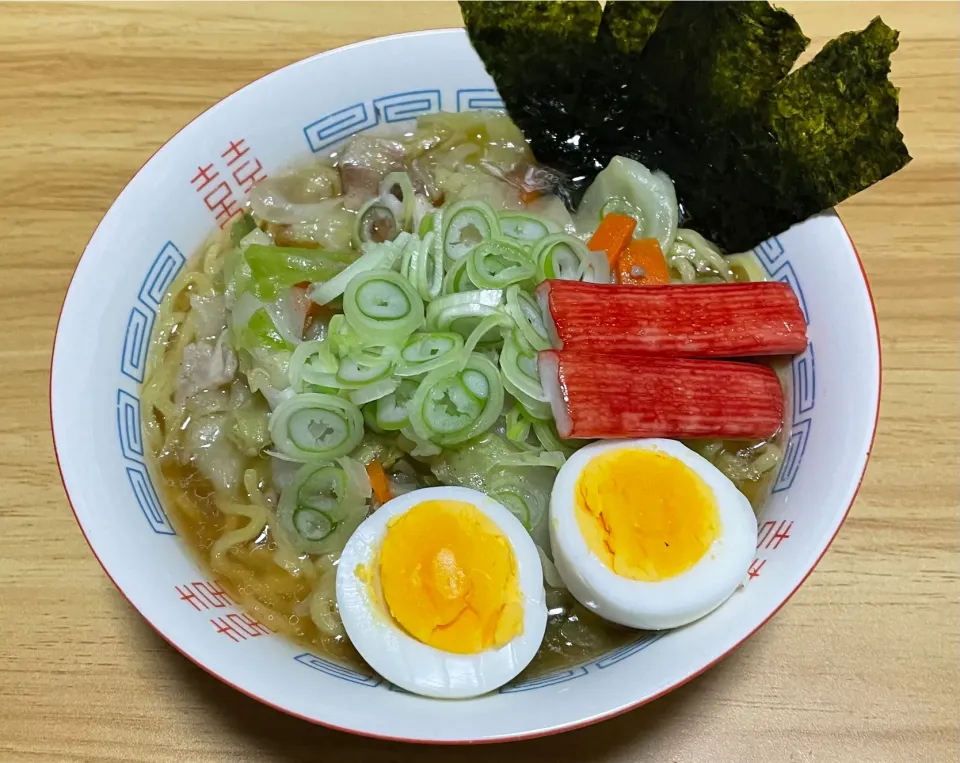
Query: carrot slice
x=643, y=264
x=528, y=197
x=298, y=297
x=612, y=235
x=379, y=482
x=312, y=311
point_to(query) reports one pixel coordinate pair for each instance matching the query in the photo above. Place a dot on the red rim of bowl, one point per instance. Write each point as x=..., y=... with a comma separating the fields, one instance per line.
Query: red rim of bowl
x=512, y=737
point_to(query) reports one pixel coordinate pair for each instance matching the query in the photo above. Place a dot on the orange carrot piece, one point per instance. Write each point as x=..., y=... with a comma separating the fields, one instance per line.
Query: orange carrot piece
x=612, y=235
x=643, y=264
x=299, y=299
x=378, y=482
x=528, y=197
x=311, y=310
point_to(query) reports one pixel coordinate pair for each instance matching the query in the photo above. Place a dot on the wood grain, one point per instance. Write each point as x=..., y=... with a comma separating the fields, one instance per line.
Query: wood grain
x=862, y=665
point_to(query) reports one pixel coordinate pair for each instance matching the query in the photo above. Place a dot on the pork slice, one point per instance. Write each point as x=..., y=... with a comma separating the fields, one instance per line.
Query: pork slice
x=206, y=365
x=365, y=161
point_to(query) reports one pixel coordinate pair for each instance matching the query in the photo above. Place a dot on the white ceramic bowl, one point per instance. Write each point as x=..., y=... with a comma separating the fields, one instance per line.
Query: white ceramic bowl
x=171, y=206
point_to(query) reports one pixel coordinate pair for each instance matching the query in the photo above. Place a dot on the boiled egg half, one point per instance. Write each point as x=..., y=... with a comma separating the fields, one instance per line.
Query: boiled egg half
x=649, y=534
x=441, y=592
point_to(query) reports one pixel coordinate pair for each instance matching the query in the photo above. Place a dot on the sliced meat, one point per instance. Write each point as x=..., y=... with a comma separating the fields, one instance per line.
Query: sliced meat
x=206, y=366
x=211, y=314
x=208, y=448
x=365, y=161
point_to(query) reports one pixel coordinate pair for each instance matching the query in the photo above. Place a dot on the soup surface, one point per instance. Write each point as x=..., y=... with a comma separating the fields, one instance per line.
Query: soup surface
x=224, y=355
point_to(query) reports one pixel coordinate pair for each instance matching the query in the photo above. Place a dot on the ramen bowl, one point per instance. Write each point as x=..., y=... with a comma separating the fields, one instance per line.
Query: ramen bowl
x=191, y=187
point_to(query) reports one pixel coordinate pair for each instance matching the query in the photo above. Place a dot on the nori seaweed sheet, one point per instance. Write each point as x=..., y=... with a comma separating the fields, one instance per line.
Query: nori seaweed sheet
x=700, y=90
x=537, y=50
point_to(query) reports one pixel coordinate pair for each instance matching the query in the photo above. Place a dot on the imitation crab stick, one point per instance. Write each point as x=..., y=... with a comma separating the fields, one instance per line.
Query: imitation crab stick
x=604, y=395
x=690, y=321
x=612, y=236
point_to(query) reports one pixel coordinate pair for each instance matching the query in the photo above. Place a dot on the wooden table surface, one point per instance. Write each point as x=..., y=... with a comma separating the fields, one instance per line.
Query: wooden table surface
x=862, y=665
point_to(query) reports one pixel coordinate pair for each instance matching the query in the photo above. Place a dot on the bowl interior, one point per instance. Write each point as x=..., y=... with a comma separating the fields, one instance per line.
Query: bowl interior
x=192, y=185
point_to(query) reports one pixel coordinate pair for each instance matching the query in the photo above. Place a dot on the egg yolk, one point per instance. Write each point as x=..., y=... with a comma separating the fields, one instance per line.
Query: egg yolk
x=449, y=578
x=646, y=515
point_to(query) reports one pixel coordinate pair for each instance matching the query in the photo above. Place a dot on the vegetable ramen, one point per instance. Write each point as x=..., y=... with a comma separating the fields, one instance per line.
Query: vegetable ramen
x=420, y=311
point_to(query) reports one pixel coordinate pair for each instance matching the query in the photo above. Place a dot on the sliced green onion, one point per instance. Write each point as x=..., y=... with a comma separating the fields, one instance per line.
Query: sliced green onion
x=463, y=312
x=370, y=417
x=374, y=256
x=451, y=408
x=364, y=350
x=314, y=426
x=595, y=268
x=428, y=274
x=415, y=445
x=352, y=374
x=428, y=223
x=381, y=305
x=391, y=410
x=372, y=354
x=527, y=227
x=424, y=352
x=521, y=500
x=519, y=366
x=518, y=425
x=465, y=224
x=560, y=256
x=457, y=279
x=484, y=327
x=546, y=432
x=373, y=391
x=400, y=181
x=497, y=264
x=535, y=408
x=308, y=360
x=319, y=510
x=376, y=222
x=525, y=311
x=410, y=258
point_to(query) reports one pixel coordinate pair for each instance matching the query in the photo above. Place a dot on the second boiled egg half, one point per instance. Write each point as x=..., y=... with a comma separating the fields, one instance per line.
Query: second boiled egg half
x=649, y=534
x=441, y=592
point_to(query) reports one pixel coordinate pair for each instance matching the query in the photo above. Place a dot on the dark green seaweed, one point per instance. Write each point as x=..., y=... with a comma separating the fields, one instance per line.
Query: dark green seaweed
x=700, y=90
x=535, y=53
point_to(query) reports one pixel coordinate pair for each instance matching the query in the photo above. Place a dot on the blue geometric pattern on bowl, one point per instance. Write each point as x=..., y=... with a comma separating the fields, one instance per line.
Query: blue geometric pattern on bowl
x=400, y=107
x=323, y=134
x=610, y=658
x=136, y=339
x=337, y=670
x=773, y=257
x=133, y=362
x=476, y=99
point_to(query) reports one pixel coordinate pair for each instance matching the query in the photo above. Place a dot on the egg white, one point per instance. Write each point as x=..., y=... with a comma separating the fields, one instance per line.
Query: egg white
x=668, y=603
x=409, y=663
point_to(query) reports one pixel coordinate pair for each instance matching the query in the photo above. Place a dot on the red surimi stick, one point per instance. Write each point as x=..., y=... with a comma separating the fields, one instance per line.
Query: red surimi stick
x=614, y=395
x=691, y=321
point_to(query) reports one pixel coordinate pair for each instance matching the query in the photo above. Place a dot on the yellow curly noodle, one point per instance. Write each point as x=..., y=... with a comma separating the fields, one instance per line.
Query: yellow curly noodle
x=175, y=328
x=235, y=536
